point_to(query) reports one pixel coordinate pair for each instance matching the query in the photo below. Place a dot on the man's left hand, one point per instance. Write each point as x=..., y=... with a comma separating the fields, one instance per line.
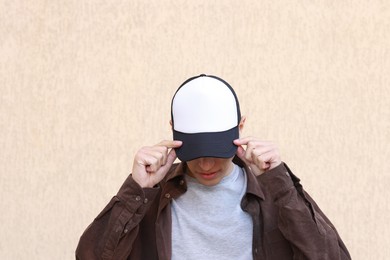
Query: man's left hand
x=260, y=156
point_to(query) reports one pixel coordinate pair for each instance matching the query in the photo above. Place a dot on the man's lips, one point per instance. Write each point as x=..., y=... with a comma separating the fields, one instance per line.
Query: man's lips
x=208, y=175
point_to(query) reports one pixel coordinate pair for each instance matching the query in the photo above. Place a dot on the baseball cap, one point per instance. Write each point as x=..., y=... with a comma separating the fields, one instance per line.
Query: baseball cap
x=205, y=117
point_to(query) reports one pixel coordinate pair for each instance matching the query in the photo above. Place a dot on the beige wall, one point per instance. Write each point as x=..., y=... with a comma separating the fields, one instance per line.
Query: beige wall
x=84, y=84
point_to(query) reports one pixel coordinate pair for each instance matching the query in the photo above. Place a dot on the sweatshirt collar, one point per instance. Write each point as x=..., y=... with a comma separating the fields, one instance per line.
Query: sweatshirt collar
x=253, y=185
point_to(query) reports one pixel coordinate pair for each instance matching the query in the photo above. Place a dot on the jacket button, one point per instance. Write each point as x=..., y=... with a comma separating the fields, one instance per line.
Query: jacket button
x=146, y=200
x=167, y=195
x=138, y=198
x=181, y=182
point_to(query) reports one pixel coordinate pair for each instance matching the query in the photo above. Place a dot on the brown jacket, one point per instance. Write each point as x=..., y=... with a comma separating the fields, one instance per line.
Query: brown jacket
x=287, y=223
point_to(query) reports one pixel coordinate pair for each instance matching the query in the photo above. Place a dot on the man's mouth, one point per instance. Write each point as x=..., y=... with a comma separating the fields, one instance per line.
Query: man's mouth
x=208, y=175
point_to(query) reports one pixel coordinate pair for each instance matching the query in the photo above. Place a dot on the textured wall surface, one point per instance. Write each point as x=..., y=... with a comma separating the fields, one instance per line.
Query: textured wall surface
x=84, y=84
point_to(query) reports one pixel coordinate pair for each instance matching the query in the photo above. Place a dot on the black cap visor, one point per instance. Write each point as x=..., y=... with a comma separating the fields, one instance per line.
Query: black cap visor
x=219, y=144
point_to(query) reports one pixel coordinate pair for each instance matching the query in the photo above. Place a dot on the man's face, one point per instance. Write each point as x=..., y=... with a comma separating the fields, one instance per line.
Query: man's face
x=209, y=171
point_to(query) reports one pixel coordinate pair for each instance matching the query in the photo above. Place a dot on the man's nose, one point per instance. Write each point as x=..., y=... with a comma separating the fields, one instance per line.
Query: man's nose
x=206, y=163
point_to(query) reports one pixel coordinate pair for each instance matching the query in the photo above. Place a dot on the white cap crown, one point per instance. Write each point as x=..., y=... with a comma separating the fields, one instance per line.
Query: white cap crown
x=205, y=104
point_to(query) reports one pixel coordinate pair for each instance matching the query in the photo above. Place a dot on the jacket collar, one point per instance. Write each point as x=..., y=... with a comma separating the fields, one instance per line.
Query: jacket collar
x=253, y=185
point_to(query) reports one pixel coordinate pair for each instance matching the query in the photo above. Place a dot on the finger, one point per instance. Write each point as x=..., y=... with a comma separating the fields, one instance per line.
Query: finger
x=160, y=157
x=265, y=160
x=255, y=149
x=241, y=153
x=170, y=159
x=260, y=149
x=150, y=162
x=260, y=161
x=170, y=143
x=250, y=140
x=243, y=140
x=246, y=154
x=157, y=157
x=161, y=152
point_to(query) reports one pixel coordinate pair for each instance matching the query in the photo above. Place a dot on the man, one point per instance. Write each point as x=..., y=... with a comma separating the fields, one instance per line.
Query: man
x=229, y=198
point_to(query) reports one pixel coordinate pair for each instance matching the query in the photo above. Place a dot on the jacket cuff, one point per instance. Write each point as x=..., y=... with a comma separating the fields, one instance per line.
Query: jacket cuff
x=277, y=180
x=134, y=196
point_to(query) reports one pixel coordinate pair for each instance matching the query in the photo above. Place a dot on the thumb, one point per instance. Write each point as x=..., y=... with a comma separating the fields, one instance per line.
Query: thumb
x=241, y=153
x=165, y=168
x=170, y=159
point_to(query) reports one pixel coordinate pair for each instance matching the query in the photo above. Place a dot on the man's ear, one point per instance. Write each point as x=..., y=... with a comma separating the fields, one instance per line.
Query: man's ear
x=242, y=124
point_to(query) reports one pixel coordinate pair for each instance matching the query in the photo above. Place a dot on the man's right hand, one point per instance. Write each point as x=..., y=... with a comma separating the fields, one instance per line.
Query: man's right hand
x=151, y=163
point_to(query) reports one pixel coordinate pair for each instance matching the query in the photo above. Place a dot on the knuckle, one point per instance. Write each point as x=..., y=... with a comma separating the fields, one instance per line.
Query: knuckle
x=161, y=148
x=164, y=149
x=143, y=150
x=139, y=155
x=156, y=160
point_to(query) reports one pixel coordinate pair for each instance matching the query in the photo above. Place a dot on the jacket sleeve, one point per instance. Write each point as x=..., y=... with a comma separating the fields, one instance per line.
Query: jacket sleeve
x=302, y=223
x=112, y=233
